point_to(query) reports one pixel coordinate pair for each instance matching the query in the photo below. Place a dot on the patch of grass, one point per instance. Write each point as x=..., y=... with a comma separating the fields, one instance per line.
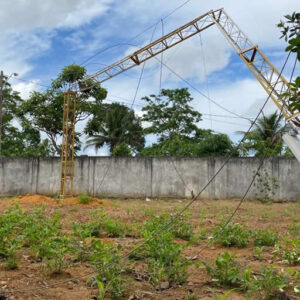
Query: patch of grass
x=84, y=199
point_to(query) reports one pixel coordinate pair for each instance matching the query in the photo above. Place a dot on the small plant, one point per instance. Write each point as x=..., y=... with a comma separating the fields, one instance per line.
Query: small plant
x=226, y=271
x=231, y=235
x=265, y=238
x=109, y=278
x=269, y=284
x=291, y=255
x=294, y=229
x=190, y=296
x=179, y=227
x=84, y=199
x=162, y=254
x=223, y=297
x=258, y=252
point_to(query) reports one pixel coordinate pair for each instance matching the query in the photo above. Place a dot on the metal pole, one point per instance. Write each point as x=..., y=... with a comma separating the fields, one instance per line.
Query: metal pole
x=1, y=107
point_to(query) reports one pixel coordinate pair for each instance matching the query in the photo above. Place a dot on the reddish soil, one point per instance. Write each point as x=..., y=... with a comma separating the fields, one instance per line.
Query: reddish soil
x=30, y=281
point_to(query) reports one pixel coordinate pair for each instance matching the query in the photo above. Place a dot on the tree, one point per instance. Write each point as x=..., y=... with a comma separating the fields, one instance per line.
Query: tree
x=174, y=121
x=266, y=137
x=45, y=109
x=24, y=142
x=290, y=30
x=113, y=125
x=209, y=144
x=170, y=114
x=122, y=150
x=19, y=138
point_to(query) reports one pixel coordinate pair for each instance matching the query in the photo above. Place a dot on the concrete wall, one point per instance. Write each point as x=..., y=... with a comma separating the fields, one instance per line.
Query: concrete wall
x=151, y=177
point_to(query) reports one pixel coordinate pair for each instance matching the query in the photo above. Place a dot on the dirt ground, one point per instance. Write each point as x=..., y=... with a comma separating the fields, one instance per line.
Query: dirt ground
x=29, y=281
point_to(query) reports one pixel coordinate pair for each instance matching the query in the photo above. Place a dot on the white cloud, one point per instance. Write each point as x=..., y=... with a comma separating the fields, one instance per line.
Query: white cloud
x=28, y=27
x=31, y=14
x=26, y=88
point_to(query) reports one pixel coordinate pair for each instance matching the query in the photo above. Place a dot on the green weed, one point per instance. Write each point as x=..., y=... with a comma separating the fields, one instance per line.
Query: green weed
x=230, y=236
x=265, y=237
x=291, y=255
x=226, y=271
x=110, y=274
x=258, y=252
x=84, y=199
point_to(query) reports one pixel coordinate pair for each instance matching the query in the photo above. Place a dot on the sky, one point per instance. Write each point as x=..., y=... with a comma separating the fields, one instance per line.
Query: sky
x=38, y=38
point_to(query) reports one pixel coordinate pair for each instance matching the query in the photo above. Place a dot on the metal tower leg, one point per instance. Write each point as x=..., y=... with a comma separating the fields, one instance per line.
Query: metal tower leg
x=68, y=141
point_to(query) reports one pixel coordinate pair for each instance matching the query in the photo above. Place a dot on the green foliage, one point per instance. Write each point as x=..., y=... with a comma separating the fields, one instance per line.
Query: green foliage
x=259, y=252
x=34, y=231
x=266, y=186
x=44, y=109
x=174, y=121
x=178, y=226
x=290, y=30
x=84, y=199
x=101, y=222
x=226, y=271
x=223, y=297
x=269, y=284
x=291, y=255
x=162, y=254
x=265, y=139
x=265, y=237
x=164, y=259
x=108, y=266
x=53, y=251
x=205, y=144
x=115, y=124
x=69, y=75
x=122, y=150
x=23, y=140
x=231, y=235
x=170, y=114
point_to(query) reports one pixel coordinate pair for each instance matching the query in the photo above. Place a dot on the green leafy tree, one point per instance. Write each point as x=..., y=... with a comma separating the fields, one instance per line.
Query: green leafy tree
x=114, y=125
x=44, y=110
x=290, y=30
x=170, y=114
x=174, y=121
x=266, y=137
x=209, y=144
x=122, y=150
x=19, y=138
x=24, y=142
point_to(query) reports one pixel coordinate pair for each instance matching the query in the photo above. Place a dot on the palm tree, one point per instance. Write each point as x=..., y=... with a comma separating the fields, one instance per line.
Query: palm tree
x=266, y=136
x=115, y=124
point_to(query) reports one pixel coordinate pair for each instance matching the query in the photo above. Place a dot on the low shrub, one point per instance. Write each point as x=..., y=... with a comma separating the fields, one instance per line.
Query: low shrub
x=226, y=271
x=231, y=235
x=265, y=237
x=291, y=255
x=84, y=199
x=108, y=267
x=267, y=283
x=178, y=226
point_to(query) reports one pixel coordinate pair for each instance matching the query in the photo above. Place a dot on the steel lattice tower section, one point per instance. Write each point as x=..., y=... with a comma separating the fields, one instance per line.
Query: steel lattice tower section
x=68, y=142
